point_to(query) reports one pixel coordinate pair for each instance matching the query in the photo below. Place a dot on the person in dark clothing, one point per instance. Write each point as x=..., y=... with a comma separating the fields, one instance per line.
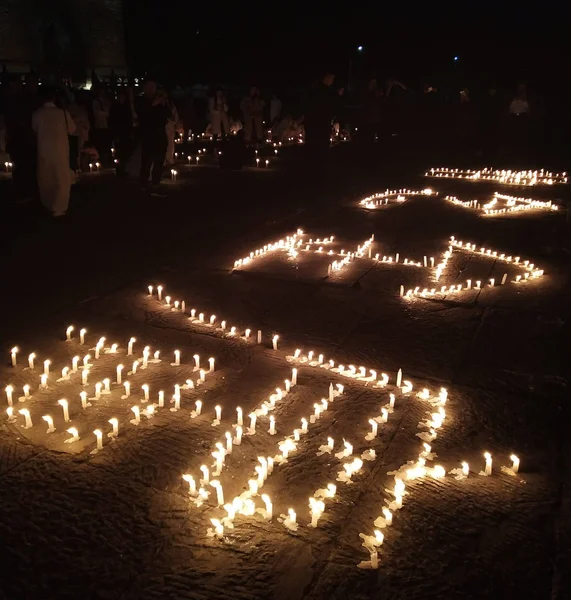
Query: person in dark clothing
x=121, y=124
x=370, y=129
x=153, y=114
x=20, y=139
x=322, y=105
x=490, y=125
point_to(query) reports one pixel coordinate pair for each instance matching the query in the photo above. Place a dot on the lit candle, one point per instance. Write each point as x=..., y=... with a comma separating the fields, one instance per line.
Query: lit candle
x=10, y=413
x=211, y=364
x=205, y=475
x=99, y=436
x=218, y=411
x=137, y=414
x=98, y=387
x=127, y=387
x=238, y=438
x=9, y=391
x=294, y=377
x=65, y=407
x=272, y=430
x=145, y=389
x=275, y=341
x=134, y=367
x=68, y=332
x=82, y=333
x=488, y=469
x=198, y=405
x=228, y=437
x=176, y=359
x=304, y=425
x=26, y=413
x=119, y=369
x=26, y=389
x=50, y=423
x=43, y=381
x=269, y=507
x=150, y=288
x=86, y=361
x=399, y=377
x=161, y=399
x=14, y=355
x=31, y=358
x=465, y=469
x=115, y=424
x=196, y=362
x=84, y=376
x=130, y=346
x=515, y=463
x=252, y=428
x=191, y=484
x=47, y=364
x=202, y=375
x=107, y=386
x=160, y=292
x=374, y=429
x=239, y=416
x=74, y=364
x=219, y=492
x=218, y=527
x=259, y=336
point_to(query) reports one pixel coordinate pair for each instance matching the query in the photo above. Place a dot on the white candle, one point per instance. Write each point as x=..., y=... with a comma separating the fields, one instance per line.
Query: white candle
x=145, y=389
x=134, y=367
x=275, y=341
x=98, y=387
x=65, y=407
x=211, y=364
x=218, y=411
x=259, y=336
x=218, y=527
x=205, y=474
x=48, y=419
x=82, y=333
x=515, y=463
x=68, y=332
x=86, y=361
x=191, y=484
x=156, y=356
x=304, y=425
x=9, y=391
x=488, y=457
x=292, y=516
x=272, y=430
x=253, y=418
x=294, y=376
x=137, y=414
x=84, y=376
x=202, y=375
x=198, y=405
x=31, y=358
x=223, y=325
x=388, y=515
x=374, y=427
x=161, y=399
x=74, y=364
x=201, y=317
x=196, y=361
x=219, y=492
x=97, y=348
x=247, y=333
x=130, y=346
x=384, y=415
x=150, y=288
x=127, y=387
x=399, y=377
x=43, y=381
x=160, y=292
x=99, y=436
x=168, y=300
x=228, y=437
x=238, y=438
x=269, y=506
x=26, y=413
x=26, y=389
x=47, y=364
x=239, y=416
x=212, y=319
x=115, y=424
x=176, y=358
x=119, y=369
x=14, y=355
x=183, y=306
x=74, y=435
x=84, y=403
x=10, y=413
x=465, y=469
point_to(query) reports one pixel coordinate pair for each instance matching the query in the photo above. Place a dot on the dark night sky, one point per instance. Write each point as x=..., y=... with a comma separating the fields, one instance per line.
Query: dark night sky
x=289, y=42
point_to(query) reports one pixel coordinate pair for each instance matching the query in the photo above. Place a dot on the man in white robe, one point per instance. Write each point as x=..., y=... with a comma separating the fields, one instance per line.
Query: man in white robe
x=52, y=125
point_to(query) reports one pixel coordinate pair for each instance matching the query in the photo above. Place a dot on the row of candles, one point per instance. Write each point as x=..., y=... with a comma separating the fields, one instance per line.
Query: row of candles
x=529, y=271
x=511, y=204
x=502, y=176
x=104, y=388
x=359, y=252
x=212, y=322
x=397, y=196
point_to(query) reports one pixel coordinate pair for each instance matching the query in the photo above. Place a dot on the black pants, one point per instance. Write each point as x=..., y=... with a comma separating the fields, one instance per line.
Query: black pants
x=123, y=151
x=153, y=152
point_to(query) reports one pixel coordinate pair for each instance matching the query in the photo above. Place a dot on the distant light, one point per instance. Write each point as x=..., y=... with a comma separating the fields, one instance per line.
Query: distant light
x=360, y=48
x=456, y=58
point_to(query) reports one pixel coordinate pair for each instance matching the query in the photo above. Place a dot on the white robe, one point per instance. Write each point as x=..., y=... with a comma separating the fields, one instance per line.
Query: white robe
x=54, y=174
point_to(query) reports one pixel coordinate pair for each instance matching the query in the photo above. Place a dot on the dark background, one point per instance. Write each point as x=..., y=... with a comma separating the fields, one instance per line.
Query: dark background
x=274, y=43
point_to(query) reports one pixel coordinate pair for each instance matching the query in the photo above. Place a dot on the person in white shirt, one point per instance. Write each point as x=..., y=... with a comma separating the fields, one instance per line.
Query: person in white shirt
x=102, y=135
x=218, y=106
x=52, y=126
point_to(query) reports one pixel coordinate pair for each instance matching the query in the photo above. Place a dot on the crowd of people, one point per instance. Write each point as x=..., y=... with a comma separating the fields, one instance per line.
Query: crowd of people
x=50, y=134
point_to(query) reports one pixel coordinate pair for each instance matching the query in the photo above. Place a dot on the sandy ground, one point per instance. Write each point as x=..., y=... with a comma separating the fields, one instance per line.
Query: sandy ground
x=119, y=523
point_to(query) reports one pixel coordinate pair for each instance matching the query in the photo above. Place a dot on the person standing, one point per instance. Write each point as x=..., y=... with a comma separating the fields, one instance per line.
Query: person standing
x=275, y=110
x=101, y=134
x=253, y=110
x=490, y=125
x=121, y=125
x=153, y=114
x=218, y=106
x=371, y=120
x=173, y=127
x=52, y=126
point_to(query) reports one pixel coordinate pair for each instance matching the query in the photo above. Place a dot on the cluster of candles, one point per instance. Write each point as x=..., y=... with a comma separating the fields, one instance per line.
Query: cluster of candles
x=8, y=166
x=505, y=177
x=211, y=322
x=529, y=271
x=501, y=204
x=359, y=252
x=104, y=387
x=398, y=196
x=283, y=244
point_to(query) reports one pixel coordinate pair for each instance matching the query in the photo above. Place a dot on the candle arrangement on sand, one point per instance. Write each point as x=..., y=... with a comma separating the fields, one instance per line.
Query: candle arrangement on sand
x=383, y=199
x=503, y=204
x=501, y=176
